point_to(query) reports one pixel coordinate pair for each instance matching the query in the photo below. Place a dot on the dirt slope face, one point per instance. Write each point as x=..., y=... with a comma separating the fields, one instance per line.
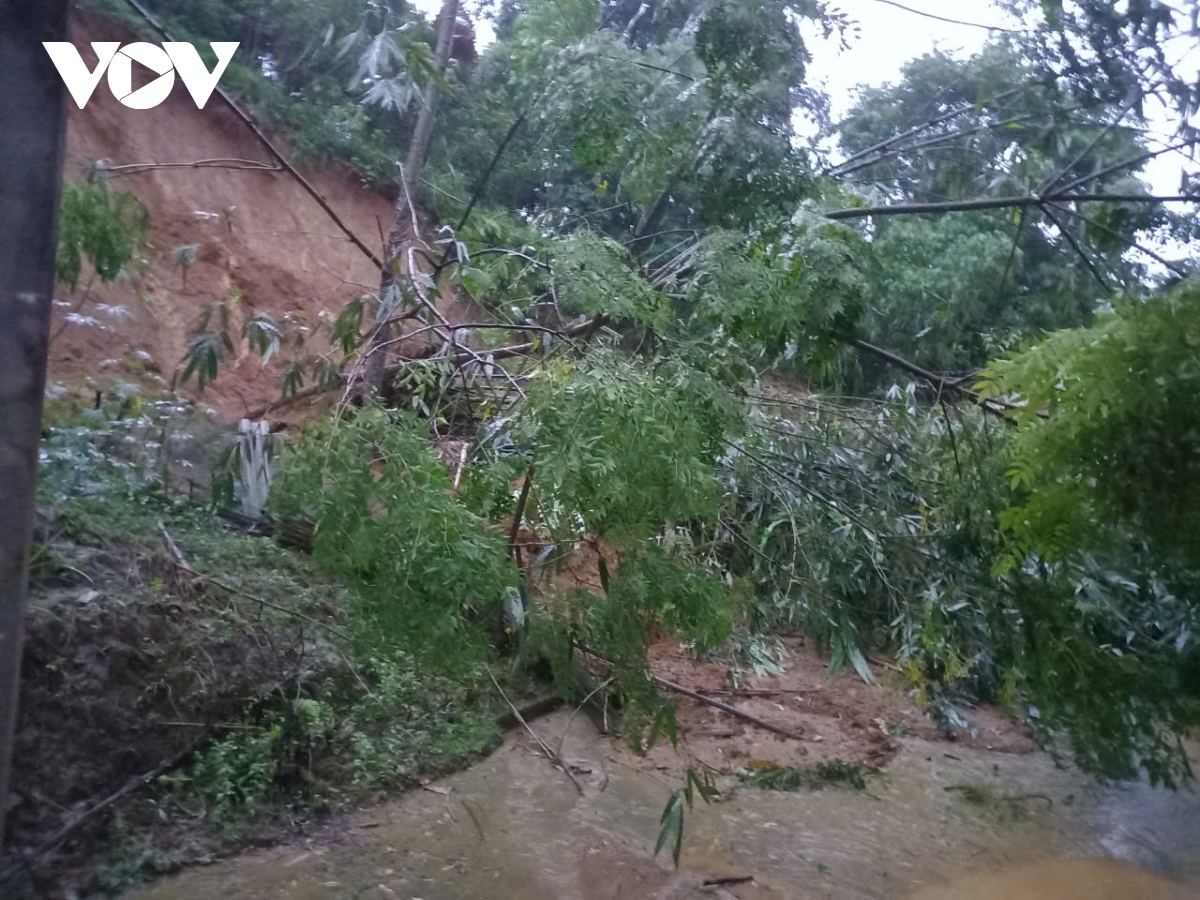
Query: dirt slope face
x=258, y=235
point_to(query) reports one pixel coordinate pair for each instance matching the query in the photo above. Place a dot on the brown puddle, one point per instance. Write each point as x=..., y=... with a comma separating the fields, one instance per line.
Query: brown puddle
x=1064, y=879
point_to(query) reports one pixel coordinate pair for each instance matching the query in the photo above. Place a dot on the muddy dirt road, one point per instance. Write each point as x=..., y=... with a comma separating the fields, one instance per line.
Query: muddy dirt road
x=514, y=826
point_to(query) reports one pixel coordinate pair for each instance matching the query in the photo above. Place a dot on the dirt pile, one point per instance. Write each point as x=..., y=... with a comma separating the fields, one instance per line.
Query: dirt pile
x=829, y=719
x=258, y=235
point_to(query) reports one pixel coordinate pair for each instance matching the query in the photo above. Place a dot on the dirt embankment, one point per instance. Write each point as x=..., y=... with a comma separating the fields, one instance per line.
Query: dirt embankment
x=259, y=235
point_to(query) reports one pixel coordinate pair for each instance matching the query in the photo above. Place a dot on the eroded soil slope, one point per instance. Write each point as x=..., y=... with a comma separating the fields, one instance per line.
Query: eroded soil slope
x=259, y=235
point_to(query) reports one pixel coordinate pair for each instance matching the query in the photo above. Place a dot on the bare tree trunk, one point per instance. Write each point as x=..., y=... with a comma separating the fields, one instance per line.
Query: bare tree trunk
x=31, y=107
x=418, y=147
x=405, y=226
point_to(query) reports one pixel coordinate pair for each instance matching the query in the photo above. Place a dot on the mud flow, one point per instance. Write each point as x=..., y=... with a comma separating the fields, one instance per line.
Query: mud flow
x=513, y=826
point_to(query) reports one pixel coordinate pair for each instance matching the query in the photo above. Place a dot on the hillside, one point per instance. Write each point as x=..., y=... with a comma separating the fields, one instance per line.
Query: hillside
x=258, y=235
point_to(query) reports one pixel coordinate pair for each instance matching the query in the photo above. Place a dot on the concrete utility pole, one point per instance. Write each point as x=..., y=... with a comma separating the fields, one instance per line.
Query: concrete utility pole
x=32, y=126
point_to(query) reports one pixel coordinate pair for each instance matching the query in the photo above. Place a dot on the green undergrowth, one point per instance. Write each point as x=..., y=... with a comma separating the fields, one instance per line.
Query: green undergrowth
x=833, y=773
x=330, y=748
x=256, y=648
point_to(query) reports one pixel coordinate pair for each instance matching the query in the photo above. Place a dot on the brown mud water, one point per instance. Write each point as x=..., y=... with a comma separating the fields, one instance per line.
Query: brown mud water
x=933, y=825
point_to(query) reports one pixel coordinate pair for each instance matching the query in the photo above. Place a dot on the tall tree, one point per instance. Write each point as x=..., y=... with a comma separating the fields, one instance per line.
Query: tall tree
x=995, y=126
x=406, y=226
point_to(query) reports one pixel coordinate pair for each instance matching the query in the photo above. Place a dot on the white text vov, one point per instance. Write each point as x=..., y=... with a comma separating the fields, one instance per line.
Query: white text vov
x=173, y=57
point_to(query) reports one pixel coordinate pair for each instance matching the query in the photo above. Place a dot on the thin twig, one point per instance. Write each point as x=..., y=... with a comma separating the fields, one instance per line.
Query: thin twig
x=987, y=203
x=550, y=754
x=912, y=132
x=938, y=381
x=519, y=513
x=946, y=19
x=1130, y=242
x=177, y=556
x=1079, y=251
x=563, y=737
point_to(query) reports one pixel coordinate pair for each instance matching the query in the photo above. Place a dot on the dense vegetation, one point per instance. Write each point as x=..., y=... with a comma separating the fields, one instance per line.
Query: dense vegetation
x=779, y=390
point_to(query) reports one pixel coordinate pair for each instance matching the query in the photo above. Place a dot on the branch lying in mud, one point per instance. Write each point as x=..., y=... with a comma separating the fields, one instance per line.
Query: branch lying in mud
x=972, y=792
x=727, y=882
x=726, y=708
x=550, y=754
x=708, y=701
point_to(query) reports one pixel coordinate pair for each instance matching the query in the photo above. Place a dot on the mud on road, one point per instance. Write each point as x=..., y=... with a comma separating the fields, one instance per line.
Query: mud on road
x=989, y=808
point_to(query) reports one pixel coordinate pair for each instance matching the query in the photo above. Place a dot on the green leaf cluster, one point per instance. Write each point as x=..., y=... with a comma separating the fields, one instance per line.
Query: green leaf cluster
x=625, y=445
x=106, y=228
x=426, y=569
x=1108, y=448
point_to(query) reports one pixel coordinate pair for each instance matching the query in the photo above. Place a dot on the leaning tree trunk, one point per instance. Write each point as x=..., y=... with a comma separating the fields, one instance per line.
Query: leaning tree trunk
x=405, y=225
x=31, y=106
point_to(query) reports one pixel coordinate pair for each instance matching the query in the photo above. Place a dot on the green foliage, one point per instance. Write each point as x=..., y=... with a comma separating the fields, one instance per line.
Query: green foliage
x=1101, y=530
x=1106, y=680
x=1106, y=451
x=593, y=276
x=671, y=821
x=324, y=742
x=206, y=351
x=630, y=454
x=828, y=522
x=105, y=227
x=954, y=282
x=654, y=180
x=423, y=565
x=651, y=590
x=131, y=866
x=993, y=125
x=792, y=291
x=624, y=446
x=263, y=336
x=233, y=776
x=337, y=746
x=414, y=723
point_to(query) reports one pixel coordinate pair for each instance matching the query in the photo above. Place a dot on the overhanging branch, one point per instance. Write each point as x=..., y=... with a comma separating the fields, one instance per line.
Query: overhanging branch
x=284, y=163
x=918, y=209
